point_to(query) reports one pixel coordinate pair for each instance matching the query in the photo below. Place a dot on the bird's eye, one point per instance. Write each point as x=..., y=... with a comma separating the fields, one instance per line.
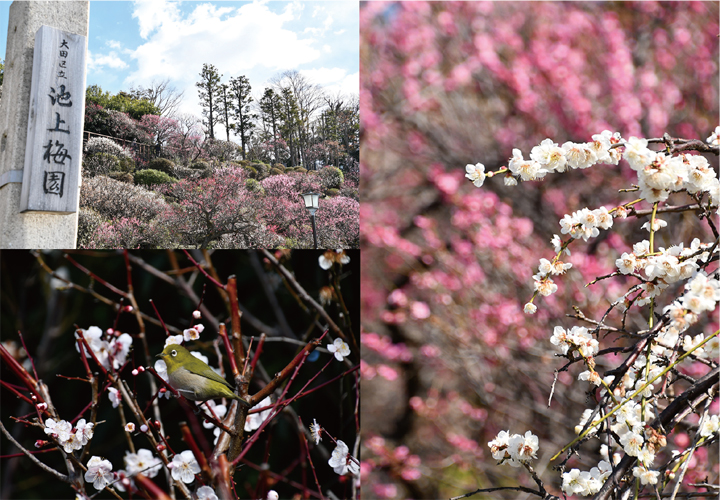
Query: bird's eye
x=173, y=352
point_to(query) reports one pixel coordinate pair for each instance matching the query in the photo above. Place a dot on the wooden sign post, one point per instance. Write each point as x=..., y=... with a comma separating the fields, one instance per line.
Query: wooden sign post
x=53, y=153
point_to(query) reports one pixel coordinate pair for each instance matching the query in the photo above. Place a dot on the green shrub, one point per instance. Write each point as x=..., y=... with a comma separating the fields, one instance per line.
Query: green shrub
x=88, y=223
x=149, y=177
x=127, y=165
x=276, y=171
x=162, y=165
x=279, y=166
x=332, y=192
x=331, y=177
x=298, y=169
x=122, y=177
x=252, y=173
x=262, y=169
x=99, y=164
x=254, y=186
x=200, y=165
x=350, y=192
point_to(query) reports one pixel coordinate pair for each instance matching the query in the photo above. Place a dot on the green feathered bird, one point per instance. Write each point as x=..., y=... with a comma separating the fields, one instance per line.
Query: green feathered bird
x=193, y=378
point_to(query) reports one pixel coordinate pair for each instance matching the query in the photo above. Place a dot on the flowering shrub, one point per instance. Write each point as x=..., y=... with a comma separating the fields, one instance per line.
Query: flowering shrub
x=206, y=209
x=338, y=223
x=104, y=145
x=447, y=345
x=130, y=233
x=114, y=200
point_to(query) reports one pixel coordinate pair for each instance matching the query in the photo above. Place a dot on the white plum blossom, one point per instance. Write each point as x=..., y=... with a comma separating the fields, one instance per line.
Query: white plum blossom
x=590, y=376
x=637, y=153
x=627, y=263
x=184, y=467
x=544, y=285
x=498, y=446
x=646, y=476
x=316, y=432
x=530, y=308
x=523, y=448
x=579, y=155
x=72, y=443
x=114, y=396
x=99, y=472
x=84, y=431
x=514, y=449
x=339, y=348
x=61, y=429
x=206, y=493
x=116, y=348
x=632, y=443
x=710, y=426
x=509, y=180
x=255, y=420
x=528, y=170
x=476, y=173
x=173, y=339
x=549, y=155
x=142, y=462
x=342, y=462
x=191, y=334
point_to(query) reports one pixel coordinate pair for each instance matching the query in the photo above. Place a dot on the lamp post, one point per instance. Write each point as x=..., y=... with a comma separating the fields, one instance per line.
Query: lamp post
x=311, y=203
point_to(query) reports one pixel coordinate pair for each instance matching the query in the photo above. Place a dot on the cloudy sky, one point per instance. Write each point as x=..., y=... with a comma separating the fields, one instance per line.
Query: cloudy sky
x=134, y=43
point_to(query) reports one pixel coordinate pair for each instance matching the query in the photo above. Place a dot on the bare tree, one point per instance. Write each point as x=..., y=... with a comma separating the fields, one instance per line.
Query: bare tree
x=161, y=95
x=309, y=98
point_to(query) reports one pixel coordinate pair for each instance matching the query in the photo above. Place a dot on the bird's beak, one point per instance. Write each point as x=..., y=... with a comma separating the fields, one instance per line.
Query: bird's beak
x=159, y=355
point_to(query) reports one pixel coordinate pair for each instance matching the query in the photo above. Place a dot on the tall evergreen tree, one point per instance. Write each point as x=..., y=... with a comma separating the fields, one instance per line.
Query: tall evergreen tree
x=243, y=125
x=270, y=111
x=225, y=105
x=210, y=92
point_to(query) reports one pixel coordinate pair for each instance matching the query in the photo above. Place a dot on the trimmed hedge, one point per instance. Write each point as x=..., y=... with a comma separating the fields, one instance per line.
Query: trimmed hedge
x=122, y=177
x=149, y=177
x=200, y=165
x=162, y=165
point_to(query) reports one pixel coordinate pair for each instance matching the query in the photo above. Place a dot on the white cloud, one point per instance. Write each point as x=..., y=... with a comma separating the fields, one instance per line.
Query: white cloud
x=235, y=40
x=334, y=80
x=110, y=60
x=338, y=32
x=113, y=44
x=324, y=76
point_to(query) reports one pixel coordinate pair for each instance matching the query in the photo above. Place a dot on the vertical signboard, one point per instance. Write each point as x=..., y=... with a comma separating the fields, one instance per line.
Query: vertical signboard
x=51, y=175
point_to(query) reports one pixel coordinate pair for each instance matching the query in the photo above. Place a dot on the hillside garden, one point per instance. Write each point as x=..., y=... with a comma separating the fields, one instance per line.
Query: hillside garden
x=153, y=178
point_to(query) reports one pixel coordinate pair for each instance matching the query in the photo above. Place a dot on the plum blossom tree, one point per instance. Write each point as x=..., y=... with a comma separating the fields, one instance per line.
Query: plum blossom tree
x=450, y=357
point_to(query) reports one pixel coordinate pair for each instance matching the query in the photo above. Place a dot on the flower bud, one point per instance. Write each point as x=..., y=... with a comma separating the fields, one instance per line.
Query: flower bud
x=160, y=447
x=197, y=314
x=144, y=428
x=42, y=406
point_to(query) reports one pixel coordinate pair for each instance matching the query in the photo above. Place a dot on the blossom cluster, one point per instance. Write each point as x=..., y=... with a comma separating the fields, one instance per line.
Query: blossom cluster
x=63, y=432
x=658, y=174
x=113, y=351
x=514, y=449
x=577, y=338
x=667, y=266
